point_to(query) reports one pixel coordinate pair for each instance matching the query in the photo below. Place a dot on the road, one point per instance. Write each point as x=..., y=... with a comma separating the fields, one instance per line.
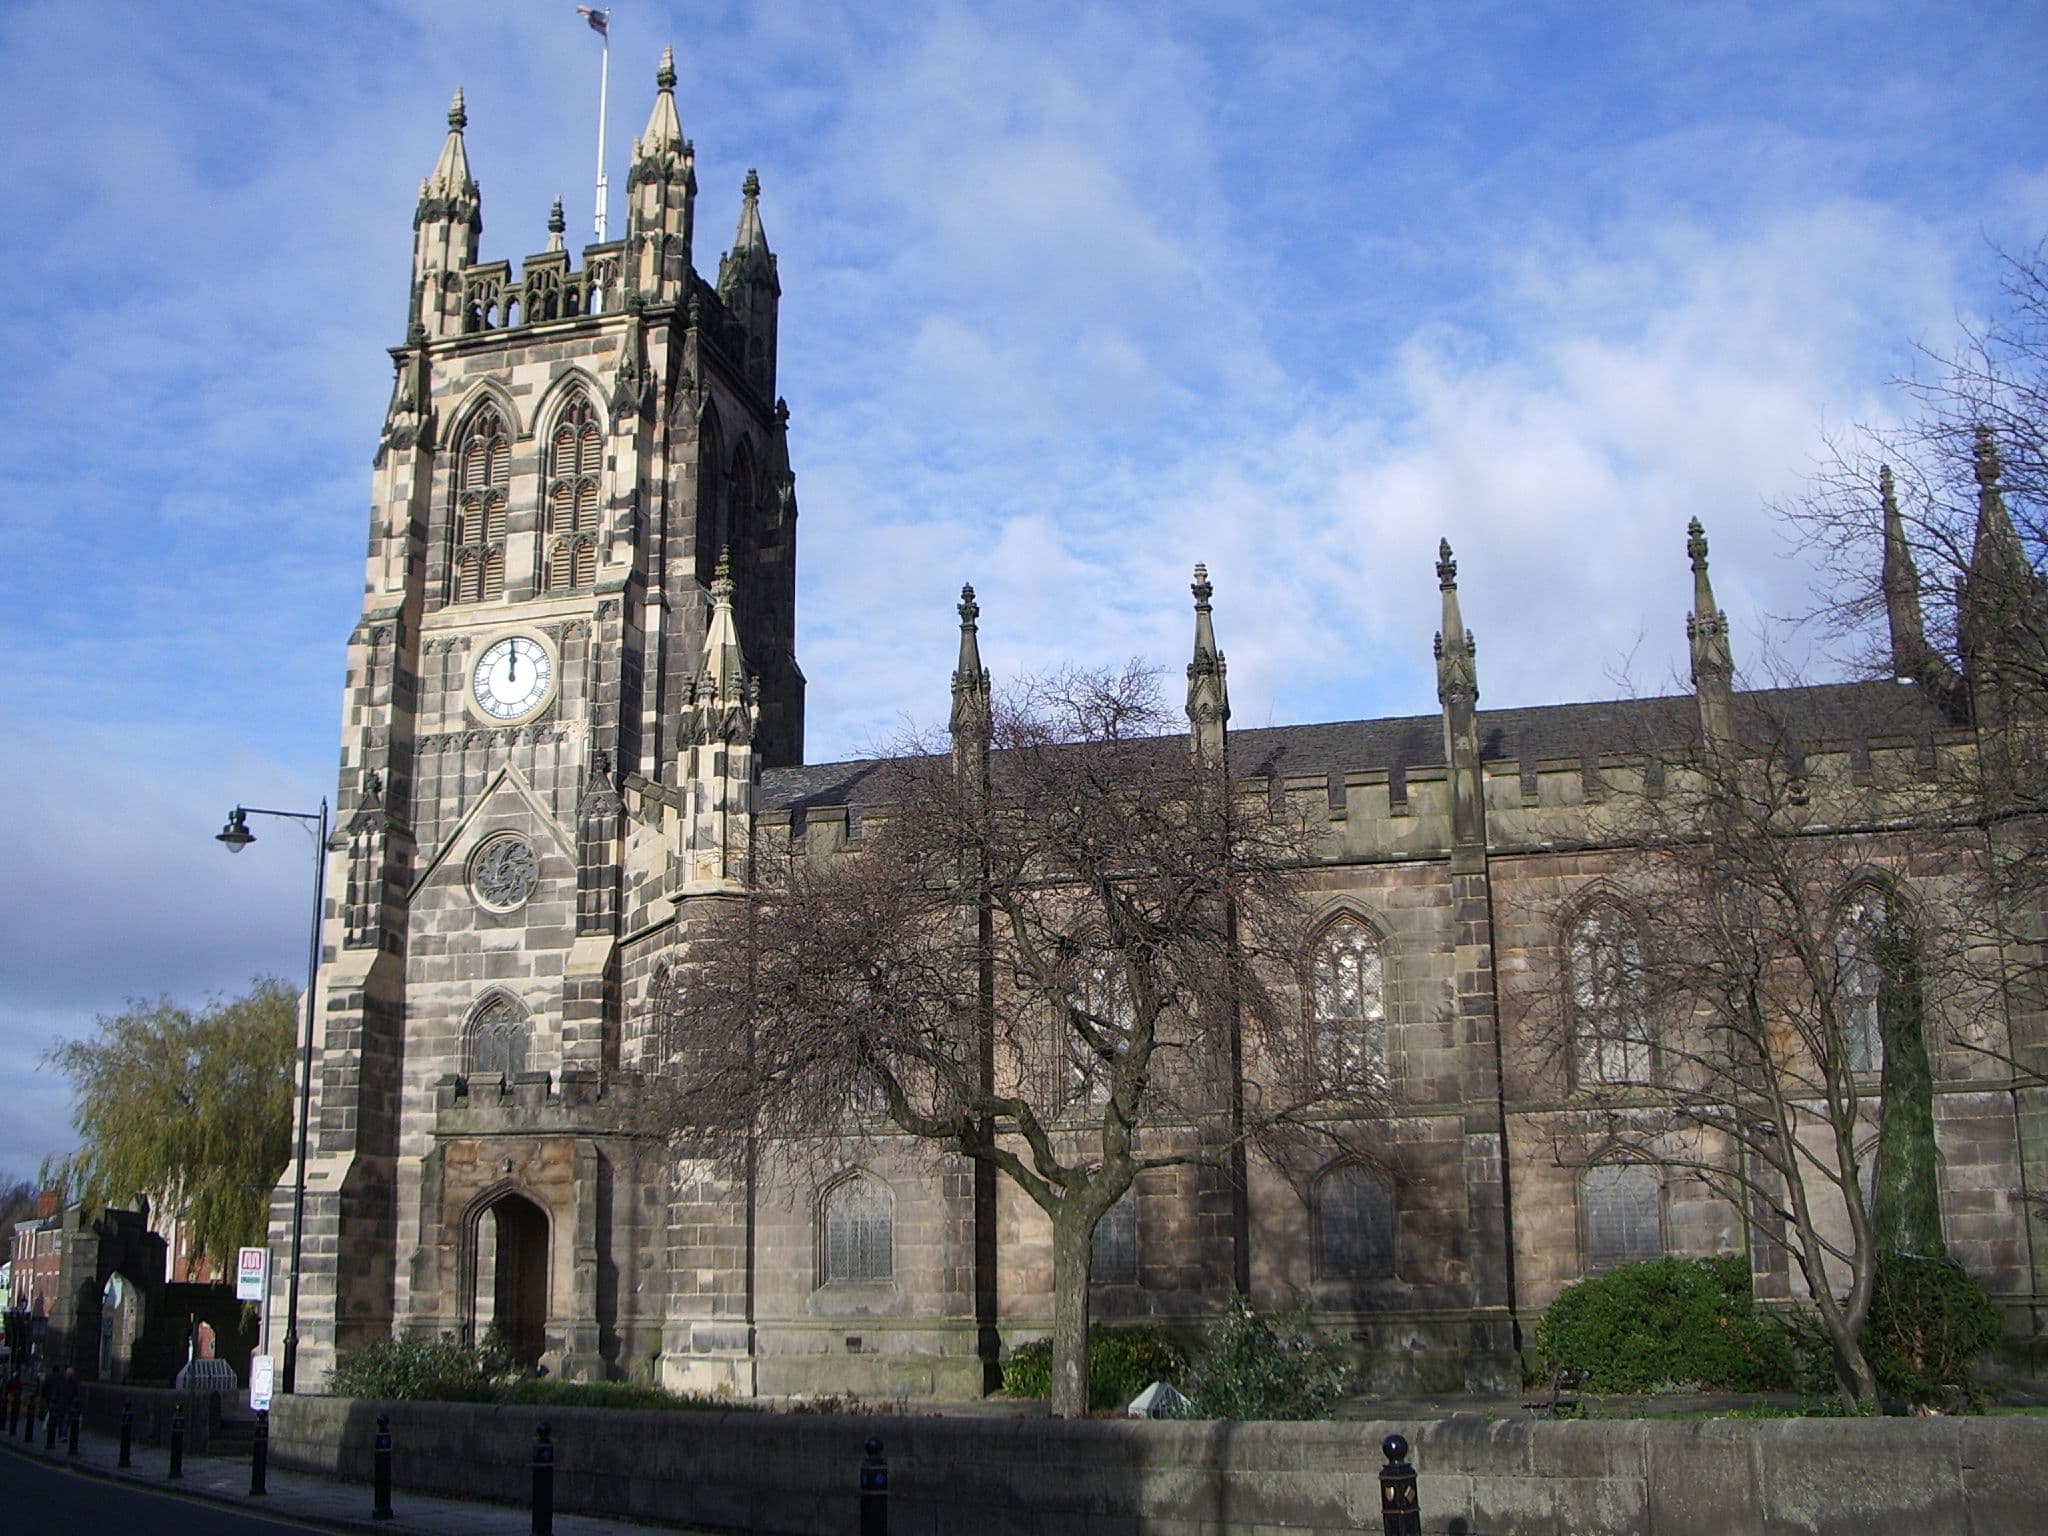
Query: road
x=64, y=1501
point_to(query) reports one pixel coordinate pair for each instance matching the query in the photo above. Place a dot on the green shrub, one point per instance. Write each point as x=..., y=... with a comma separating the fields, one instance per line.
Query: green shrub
x=1252, y=1367
x=1928, y=1321
x=613, y=1394
x=1667, y=1322
x=403, y=1367
x=1122, y=1362
x=399, y=1368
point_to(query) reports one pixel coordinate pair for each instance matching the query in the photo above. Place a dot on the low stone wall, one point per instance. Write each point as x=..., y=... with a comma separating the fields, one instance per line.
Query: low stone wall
x=795, y=1475
x=102, y=1402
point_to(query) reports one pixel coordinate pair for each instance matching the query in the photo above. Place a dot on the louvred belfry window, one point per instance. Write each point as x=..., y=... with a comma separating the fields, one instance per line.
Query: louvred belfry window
x=483, y=474
x=575, y=460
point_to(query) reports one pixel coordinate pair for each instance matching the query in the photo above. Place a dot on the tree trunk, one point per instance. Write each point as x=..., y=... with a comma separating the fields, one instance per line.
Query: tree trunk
x=1855, y=1381
x=1073, y=1255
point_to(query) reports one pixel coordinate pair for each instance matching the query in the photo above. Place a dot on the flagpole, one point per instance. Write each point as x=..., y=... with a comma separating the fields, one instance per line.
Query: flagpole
x=604, y=75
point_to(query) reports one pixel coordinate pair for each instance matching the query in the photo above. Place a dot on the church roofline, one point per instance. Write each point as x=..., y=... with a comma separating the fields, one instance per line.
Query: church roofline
x=1820, y=715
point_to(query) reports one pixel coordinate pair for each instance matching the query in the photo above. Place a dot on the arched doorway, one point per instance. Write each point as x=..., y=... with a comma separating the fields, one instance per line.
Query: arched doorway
x=512, y=1275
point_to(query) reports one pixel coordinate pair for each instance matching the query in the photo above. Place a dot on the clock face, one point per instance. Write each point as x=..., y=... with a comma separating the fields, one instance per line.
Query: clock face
x=513, y=678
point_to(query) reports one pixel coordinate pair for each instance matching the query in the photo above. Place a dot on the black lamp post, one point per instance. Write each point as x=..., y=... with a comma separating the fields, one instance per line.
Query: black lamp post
x=237, y=836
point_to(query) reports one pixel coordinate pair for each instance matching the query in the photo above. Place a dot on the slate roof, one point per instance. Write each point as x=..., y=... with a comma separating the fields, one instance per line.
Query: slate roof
x=1832, y=713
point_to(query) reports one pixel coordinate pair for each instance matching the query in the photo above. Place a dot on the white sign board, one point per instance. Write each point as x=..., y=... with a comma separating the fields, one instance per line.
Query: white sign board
x=252, y=1269
x=260, y=1372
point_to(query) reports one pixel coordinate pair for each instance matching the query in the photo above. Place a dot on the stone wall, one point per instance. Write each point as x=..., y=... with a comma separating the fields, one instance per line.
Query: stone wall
x=795, y=1475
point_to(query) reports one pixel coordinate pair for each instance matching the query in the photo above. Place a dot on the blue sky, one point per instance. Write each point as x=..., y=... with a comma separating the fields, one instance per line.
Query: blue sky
x=1074, y=296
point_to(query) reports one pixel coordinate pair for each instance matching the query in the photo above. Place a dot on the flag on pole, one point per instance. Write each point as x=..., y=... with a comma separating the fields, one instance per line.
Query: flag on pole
x=600, y=21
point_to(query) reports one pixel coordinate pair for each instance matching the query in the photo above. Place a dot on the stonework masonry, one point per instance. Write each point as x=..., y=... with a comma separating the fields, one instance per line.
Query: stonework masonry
x=573, y=702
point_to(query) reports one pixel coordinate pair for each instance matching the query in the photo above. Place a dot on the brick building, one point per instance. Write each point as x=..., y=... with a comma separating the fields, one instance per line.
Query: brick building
x=572, y=698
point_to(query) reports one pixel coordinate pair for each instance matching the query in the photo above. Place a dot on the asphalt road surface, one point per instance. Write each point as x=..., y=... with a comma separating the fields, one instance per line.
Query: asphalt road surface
x=63, y=1501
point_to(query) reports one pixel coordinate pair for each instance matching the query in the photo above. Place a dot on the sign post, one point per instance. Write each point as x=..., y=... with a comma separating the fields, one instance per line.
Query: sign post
x=262, y=1373
x=252, y=1273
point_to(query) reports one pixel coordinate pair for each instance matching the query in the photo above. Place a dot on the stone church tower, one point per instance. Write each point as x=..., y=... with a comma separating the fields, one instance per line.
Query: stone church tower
x=573, y=709
x=576, y=457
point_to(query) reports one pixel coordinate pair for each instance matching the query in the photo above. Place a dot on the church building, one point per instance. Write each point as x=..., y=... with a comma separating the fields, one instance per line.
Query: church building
x=573, y=699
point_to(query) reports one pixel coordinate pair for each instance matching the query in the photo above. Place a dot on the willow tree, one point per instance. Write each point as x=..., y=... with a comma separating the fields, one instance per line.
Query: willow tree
x=191, y=1110
x=1057, y=946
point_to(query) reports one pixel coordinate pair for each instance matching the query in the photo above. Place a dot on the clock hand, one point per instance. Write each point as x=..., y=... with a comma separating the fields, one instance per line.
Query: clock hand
x=512, y=666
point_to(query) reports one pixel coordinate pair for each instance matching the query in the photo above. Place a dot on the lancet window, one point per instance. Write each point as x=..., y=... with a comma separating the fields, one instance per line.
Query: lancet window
x=1109, y=1014
x=1623, y=1215
x=1869, y=942
x=1115, y=1260
x=1604, y=965
x=483, y=475
x=575, y=460
x=1348, y=998
x=859, y=1232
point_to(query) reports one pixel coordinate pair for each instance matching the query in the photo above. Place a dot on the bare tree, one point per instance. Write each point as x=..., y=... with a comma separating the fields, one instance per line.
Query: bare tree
x=1934, y=534
x=1053, y=952
x=1755, y=1035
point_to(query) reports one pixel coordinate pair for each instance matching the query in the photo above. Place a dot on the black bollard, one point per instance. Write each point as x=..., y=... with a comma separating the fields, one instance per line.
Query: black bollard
x=543, y=1482
x=380, y=1471
x=28, y=1427
x=178, y=1440
x=874, y=1492
x=50, y=1418
x=1400, y=1513
x=71, y=1439
x=259, y=1455
x=127, y=1433
x=13, y=1408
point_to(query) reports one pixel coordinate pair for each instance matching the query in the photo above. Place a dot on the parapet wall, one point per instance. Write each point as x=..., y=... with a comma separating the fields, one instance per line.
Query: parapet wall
x=795, y=1475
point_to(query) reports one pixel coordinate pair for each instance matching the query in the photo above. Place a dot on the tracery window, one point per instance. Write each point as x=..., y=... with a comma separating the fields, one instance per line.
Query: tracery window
x=1352, y=1211
x=1104, y=996
x=1115, y=1260
x=1604, y=962
x=496, y=1040
x=483, y=474
x=575, y=459
x=660, y=1033
x=1624, y=1221
x=1348, y=995
x=1869, y=940
x=859, y=1232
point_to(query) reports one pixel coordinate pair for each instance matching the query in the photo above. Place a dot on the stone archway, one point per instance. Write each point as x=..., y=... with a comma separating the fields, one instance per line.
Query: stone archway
x=511, y=1294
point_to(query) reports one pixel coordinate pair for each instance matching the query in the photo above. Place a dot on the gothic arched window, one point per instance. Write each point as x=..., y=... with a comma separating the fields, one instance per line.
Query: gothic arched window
x=1872, y=948
x=859, y=1222
x=495, y=1043
x=483, y=475
x=575, y=459
x=660, y=1044
x=1348, y=998
x=1108, y=1010
x=1115, y=1260
x=1624, y=1222
x=1604, y=964
x=1352, y=1211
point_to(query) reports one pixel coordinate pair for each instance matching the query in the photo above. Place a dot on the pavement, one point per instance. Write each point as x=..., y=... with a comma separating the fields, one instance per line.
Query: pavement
x=304, y=1498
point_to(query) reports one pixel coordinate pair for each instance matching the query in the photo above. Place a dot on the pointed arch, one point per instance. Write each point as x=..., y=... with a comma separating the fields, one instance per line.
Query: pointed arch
x=480, y=500
x=714, y=529
x=857, y=1231
x=1875, y=965
x=1621, y=1214
x=1600, y=940
x=496, y=1037
x=571, y=501
x=1344, y=975
x=659, y=1042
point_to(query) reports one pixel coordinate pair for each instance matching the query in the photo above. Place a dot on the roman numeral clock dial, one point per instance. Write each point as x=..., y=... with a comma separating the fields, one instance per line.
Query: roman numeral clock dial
x=514, y=678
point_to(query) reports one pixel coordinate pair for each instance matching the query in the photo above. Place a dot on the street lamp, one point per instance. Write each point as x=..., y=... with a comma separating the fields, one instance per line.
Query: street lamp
x=237, y=836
